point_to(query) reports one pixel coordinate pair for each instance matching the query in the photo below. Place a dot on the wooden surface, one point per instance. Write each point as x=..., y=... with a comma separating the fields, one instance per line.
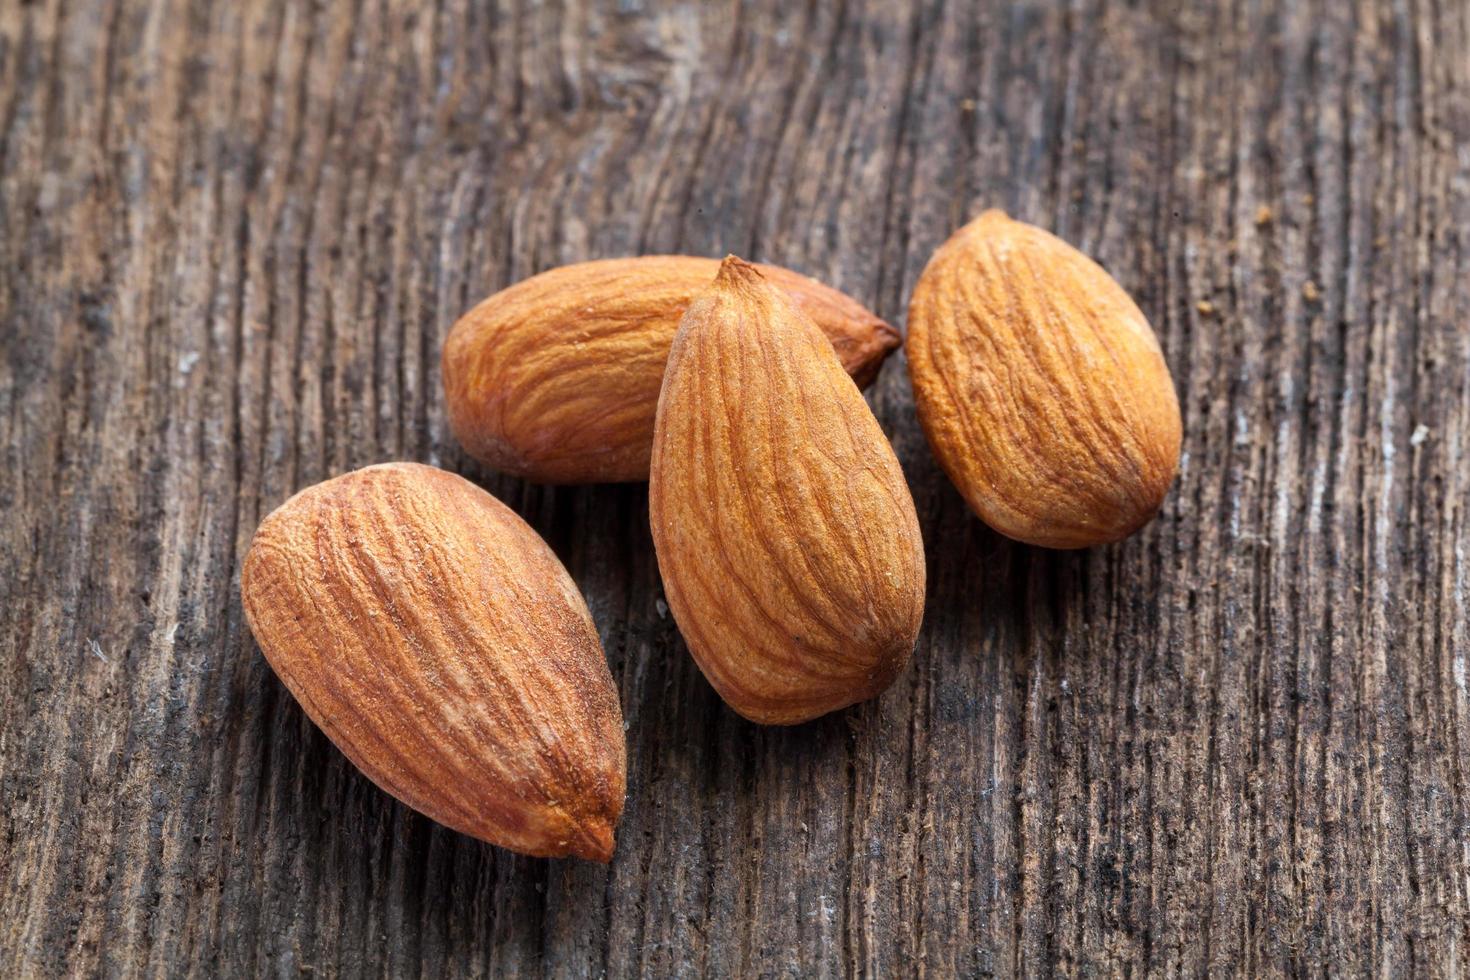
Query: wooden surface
x=233, y=236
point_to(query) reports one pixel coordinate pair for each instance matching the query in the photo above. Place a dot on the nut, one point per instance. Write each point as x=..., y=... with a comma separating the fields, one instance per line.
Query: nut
x=556, y=379
x=442, y=646
x=1041, y=387
x=785, y=533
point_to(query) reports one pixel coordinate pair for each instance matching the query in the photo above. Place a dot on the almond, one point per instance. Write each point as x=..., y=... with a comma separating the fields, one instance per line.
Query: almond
x=556, y=379
x=785, y=533
x=442, y=646
x=1041, y=387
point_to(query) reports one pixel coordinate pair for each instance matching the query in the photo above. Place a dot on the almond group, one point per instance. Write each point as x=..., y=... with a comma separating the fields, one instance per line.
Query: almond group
x=442, y=646
x=1041, y=387
x=556, y=379
x=438, y=641
x=785, y=534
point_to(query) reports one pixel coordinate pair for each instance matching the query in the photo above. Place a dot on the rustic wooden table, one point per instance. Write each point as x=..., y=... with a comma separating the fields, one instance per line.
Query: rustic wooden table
x=233, y=236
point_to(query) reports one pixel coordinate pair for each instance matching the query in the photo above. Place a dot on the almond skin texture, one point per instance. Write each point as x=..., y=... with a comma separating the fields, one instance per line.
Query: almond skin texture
x=1041, y=387
x=435, y=638
x=785, y=533
x=556, y=379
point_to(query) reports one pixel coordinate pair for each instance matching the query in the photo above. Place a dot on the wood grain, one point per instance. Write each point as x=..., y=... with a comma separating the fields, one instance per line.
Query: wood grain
x=234, y=235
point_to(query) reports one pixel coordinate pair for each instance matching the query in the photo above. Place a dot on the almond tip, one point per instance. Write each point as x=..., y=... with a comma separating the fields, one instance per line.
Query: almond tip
x=596, y=843
x=736, y=269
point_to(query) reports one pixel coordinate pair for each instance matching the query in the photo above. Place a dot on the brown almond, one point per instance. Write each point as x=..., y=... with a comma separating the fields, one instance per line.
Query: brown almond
x=556, y=379
x=438, y=641
x=1041, y=387
x=785, y=533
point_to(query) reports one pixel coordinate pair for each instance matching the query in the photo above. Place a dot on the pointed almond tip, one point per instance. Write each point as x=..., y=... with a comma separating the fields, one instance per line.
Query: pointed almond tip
x=596, y=842
x=889, y=338
x=736, y=269
x=991, y=216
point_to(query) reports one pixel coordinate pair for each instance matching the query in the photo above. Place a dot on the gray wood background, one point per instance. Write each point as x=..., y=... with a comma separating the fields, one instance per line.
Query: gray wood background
x=234, y=234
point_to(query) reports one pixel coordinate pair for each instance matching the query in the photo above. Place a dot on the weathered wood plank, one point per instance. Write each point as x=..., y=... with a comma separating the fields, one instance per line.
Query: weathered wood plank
x=233, y=236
